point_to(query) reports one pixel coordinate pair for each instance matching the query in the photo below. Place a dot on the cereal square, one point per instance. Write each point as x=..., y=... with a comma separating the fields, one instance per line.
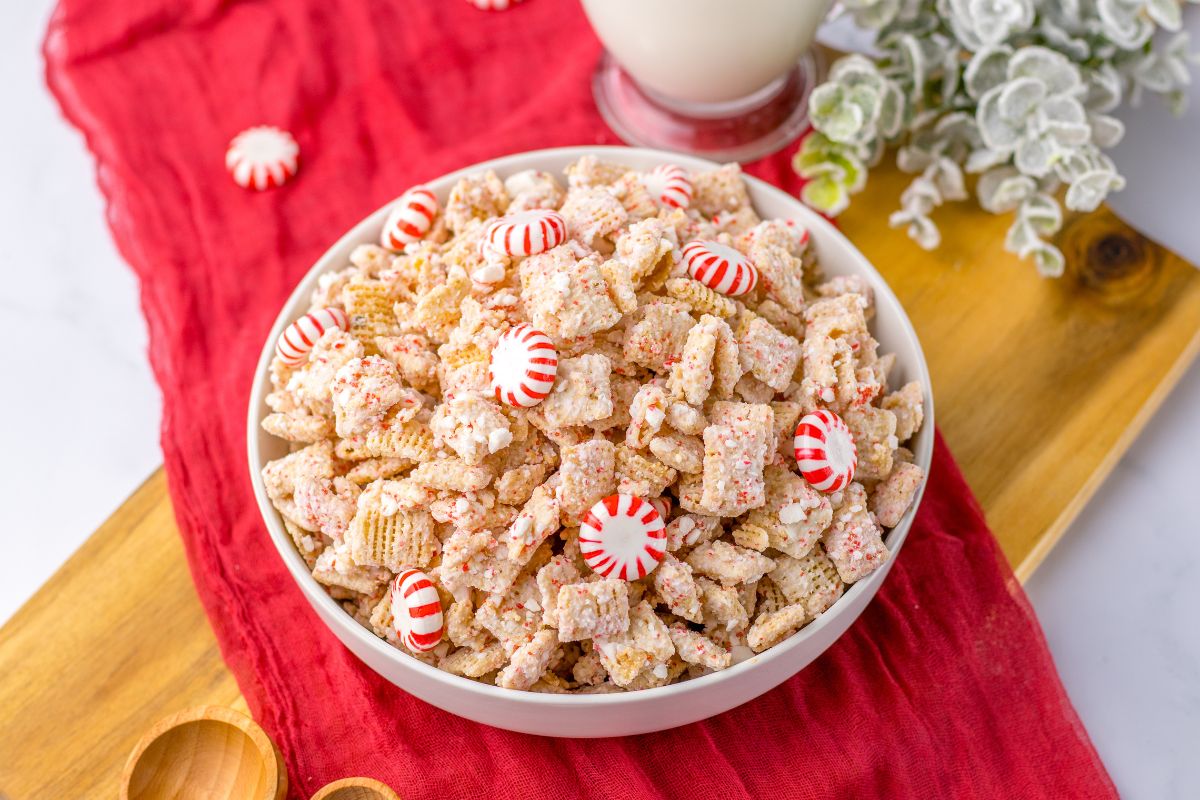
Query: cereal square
x=696, y=648
x=729, y=563
x=717, y=190
x=782, y=271
x=674, y=583
x=537, y=520
x=908, y=404
x=644, y=644
x=581, y=393
x=644, y=246
x=529, y=661
x=588, y=474
x=692, y=376
x=734, y=457
x=471, y=426
x=647, y=413
x=772, y=627
x=658, y=335
x=854, y=542
x=591, y=610
x=558, y=572
x=566, y=297
x=767, y=354
x=811, y=581
x=894, y=494
x=592, y=213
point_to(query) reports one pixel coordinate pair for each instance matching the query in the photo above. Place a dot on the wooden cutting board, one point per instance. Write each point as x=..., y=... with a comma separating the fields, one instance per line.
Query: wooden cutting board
x=1040, y=387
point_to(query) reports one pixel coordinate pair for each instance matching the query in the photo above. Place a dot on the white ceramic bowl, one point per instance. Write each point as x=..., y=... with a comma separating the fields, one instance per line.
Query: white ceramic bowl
x=622, y=713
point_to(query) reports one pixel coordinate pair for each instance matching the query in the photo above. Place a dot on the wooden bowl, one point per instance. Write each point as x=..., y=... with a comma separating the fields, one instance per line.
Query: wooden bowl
x=355, y=789
x=205, y=752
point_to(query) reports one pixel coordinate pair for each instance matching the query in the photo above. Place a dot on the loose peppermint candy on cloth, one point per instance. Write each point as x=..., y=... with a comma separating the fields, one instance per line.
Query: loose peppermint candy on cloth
x=670, y=185
x=526, y=233
x=298, y=338
x=825, y=451
x=622, y=536
x=720, y=267
x=416, y=610
x=522, y=367
x=411, y=219
x=262, y=157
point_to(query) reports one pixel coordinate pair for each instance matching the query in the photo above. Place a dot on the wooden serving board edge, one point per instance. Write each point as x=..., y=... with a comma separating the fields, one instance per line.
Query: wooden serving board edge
x=1054, y=534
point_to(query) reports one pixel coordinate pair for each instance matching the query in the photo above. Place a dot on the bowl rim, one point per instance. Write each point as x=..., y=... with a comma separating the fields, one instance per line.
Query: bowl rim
x=316, y=593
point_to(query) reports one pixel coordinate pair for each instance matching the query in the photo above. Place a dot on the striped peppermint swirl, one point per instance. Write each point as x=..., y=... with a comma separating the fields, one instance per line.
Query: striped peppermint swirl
x=417, y=610
x=261, y=157
x=662, y=505
x=527, y=233
x=622, y=536
x=523, y=365
x=298, y=338
x=720, y=267
x=411, y=219
x=670, y=185
x=825, y=451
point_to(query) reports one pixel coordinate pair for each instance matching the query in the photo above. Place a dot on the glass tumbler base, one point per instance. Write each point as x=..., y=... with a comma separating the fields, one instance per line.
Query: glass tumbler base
x=741, y=130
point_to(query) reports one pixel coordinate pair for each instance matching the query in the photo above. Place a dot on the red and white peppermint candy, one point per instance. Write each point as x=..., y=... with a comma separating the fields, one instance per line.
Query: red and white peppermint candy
x=670, y=185
x=825, y=451
x=522, y=367
x=262, y=157
x=411, y=219
x=622, y=536
x=663, y=506
x=720, y=267
x=493, y=5
x=416, y=610
x=526, y=233
x=299, y=337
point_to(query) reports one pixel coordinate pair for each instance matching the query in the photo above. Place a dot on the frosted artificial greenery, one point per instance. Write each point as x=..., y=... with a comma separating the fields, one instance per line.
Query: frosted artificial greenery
x=1016, y=91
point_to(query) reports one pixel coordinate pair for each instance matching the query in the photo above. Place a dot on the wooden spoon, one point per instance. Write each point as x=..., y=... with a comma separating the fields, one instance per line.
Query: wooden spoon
x=204, y=752
x=355, y=789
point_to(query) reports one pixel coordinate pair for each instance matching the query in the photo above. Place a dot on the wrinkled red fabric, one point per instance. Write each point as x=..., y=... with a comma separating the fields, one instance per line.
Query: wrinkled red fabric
x=944, y=687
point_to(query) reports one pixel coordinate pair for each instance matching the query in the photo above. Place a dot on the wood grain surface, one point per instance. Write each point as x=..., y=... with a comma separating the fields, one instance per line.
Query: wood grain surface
x=209, y=751
x=1040, y=387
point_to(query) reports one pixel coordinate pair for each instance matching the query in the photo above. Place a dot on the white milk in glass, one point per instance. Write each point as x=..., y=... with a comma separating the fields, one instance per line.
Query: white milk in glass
x=706, y=51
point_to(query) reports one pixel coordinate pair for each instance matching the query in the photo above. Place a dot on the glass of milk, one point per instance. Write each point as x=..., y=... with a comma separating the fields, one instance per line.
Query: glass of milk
x=726, y=79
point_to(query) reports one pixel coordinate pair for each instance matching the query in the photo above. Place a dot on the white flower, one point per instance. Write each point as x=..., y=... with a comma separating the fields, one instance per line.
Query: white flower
x=872, y=14
x=1090, y=176
x=977, y=23
x=1035, y=115
x=1019, y=92
x=1122, y=21
x=857, y=104
x=1163, y=71
x=1002, y=189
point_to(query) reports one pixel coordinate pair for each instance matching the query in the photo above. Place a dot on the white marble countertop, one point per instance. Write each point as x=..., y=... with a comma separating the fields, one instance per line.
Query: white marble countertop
x=1117, y=598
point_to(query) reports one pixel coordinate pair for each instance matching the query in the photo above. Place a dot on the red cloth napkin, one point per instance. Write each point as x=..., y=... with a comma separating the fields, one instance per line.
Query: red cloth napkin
x=944, y=688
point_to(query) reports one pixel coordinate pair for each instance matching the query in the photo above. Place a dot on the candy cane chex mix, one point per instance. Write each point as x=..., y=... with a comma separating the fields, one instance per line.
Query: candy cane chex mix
x=588, y=434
